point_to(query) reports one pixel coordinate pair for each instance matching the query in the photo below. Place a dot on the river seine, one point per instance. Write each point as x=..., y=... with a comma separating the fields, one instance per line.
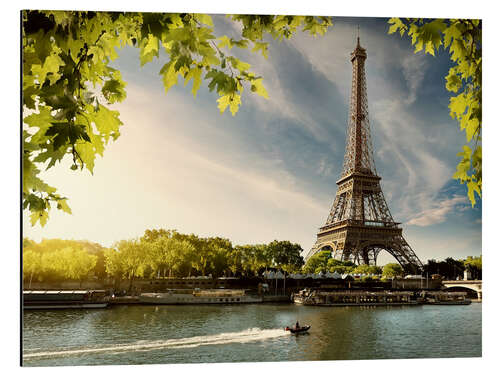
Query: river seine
x=138, y=334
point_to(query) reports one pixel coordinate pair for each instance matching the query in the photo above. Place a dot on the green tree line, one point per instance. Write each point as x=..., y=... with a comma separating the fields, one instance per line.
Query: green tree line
x=324, y=262
x=158, y=253
x=449, y=268
x=168, y=253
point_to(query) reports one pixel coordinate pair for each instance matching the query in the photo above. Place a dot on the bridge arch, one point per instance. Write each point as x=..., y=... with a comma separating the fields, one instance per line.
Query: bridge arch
x=467, y=285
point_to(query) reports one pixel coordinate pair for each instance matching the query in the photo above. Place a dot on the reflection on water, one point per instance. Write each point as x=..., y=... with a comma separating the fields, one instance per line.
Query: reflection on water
x=247, y=333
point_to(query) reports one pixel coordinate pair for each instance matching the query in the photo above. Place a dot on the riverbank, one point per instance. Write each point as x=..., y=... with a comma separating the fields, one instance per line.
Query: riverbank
x=330, y=291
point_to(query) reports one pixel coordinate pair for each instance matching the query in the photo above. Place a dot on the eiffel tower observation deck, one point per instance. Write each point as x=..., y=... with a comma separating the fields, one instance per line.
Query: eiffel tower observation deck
x=360, y=224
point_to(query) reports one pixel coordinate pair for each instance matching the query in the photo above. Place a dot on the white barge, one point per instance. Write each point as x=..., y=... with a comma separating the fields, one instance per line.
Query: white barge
x=193, y=297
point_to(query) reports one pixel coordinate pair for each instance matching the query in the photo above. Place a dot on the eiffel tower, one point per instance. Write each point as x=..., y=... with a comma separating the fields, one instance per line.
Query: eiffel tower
x=360, y=224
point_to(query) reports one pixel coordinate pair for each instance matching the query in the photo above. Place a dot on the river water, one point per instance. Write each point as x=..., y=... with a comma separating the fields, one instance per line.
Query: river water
x=139, y=334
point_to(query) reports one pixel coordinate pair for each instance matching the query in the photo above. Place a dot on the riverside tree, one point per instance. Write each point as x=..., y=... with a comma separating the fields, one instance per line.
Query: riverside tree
x=475, y=266
x=69, y=85
x=285, y=255
x=127, y=259
x=32, y=265
x=318, y=262
x=463, y=40
x=391, y=270
x=59, y=260
x=367, y=269
x=335, y=265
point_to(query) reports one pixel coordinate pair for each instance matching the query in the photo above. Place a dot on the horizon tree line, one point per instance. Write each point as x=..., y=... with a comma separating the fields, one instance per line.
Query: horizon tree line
x=168, y=253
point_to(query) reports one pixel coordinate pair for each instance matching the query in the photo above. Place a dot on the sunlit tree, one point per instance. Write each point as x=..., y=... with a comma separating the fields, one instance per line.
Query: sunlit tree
x=32, y=264
x=391, y=270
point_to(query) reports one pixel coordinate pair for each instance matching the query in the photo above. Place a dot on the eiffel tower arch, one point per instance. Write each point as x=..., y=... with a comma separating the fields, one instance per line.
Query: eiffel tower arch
x=360, y=224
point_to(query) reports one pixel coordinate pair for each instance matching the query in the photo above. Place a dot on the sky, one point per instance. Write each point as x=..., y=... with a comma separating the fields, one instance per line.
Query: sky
x=270, y=171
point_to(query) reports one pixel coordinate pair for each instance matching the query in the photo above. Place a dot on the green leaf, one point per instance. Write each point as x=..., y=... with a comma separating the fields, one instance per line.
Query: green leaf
x=62, y=204
x=114, y=89
x=419, y=45
x=41, y=120
x=451, y=33
x=238, y=64
x=220, y=81
x=195, y=74
x=457, y=105
x=64, y=134
x=453, y=81
x=150, y=47
x=41, y=216
x=50, y=69
x=259, y=89
x=262, y=47
x=223, y=102
x=234, y=104
x=205, y=18
x=87, y=153
x=107, y=122
x=169, y=75
x=429, y=48
x=471, y=128
x=472, y=188
x=225, y=42
x=396, y=24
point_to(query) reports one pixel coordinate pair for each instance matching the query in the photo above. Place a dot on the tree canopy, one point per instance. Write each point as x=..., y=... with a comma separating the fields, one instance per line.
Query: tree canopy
x=463, y=40
x=323, y=262
x=391, y=270
x=59, y=260
x=168, y=253
x=69, y=85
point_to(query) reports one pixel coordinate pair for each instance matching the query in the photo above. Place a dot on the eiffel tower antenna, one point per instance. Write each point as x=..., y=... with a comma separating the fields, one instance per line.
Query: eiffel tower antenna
x=360, y=224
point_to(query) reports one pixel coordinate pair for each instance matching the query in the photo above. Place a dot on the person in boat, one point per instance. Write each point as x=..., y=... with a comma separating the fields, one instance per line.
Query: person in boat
x=297, y=326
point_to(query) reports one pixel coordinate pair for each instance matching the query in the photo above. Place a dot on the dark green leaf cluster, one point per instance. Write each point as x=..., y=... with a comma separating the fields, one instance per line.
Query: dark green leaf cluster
x=451, y=268
x=463, y=39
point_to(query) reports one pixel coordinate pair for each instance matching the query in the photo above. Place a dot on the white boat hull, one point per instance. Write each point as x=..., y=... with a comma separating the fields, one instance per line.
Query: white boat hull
x=190, y=299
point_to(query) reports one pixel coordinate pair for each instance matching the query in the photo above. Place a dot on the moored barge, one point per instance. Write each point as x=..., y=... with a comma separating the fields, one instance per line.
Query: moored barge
x=353, y=298
x=64, y=299
x=208, y=296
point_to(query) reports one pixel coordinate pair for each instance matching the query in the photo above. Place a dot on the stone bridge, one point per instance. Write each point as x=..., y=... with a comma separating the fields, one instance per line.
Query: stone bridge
x=475, y=285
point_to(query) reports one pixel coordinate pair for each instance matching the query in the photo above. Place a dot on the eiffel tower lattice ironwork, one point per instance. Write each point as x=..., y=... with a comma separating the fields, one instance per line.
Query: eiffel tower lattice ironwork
x=360, y=224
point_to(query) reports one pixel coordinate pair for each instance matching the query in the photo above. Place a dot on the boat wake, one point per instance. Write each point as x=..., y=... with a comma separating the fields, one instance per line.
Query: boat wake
x=249, y=335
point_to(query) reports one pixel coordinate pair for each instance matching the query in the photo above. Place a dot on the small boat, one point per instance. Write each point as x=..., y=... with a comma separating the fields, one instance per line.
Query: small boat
x=298, y=330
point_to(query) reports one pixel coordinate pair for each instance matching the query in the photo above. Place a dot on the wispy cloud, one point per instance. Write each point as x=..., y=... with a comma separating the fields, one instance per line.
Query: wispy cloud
x=438, y=213
x=414, y=68
x=324, y=167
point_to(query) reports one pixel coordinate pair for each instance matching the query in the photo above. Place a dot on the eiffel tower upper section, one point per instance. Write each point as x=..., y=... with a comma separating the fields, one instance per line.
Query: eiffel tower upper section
x=358, y=156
